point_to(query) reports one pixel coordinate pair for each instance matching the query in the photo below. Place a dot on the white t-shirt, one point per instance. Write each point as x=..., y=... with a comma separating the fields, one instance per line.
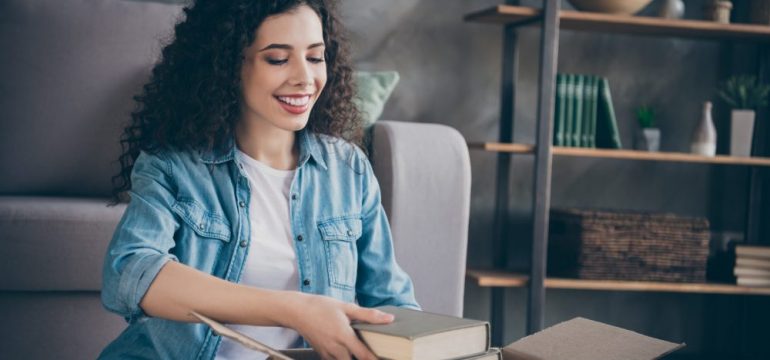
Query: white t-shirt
x=272, y=261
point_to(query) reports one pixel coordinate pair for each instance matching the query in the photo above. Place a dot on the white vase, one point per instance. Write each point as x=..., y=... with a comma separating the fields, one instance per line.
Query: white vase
x=671, y=9
x=741, y=132
x=648, y=139
x=704, y=138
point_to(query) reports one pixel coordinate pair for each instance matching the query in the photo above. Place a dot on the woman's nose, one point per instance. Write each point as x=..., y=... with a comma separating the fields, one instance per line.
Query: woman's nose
x=301, y=74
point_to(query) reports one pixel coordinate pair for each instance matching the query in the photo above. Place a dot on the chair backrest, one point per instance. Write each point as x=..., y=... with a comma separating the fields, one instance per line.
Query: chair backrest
x=425, y=176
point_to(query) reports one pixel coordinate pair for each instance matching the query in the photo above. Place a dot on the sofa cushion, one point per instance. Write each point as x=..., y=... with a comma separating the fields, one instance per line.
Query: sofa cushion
x=54, y=243
x=69, y=70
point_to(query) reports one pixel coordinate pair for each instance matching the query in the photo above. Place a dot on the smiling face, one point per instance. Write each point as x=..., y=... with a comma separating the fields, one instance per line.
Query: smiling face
x=284, y=72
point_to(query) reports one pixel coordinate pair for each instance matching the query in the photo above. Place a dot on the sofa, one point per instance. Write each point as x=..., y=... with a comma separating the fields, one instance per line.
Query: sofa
x=69, y=69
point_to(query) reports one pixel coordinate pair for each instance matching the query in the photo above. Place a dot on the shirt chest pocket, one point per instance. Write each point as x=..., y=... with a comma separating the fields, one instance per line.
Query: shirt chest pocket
x=339, y=237
x=201, y=221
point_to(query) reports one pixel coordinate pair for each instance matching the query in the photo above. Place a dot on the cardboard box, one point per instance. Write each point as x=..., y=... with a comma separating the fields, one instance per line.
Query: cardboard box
x=583, y=339
x=576, y=339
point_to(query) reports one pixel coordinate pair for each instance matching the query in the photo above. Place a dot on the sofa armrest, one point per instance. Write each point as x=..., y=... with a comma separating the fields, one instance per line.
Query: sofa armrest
x=425, y=179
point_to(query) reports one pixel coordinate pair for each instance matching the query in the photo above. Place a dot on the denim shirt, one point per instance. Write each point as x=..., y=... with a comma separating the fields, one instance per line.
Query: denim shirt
x=192, y=207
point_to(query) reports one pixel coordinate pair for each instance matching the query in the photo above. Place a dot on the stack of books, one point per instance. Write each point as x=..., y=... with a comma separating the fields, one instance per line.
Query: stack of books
x=752, y=265
x=413, y=335
x=584, y=115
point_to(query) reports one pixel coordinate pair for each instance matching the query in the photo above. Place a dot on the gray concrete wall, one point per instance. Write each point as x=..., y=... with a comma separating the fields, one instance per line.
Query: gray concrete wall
x=450, y=74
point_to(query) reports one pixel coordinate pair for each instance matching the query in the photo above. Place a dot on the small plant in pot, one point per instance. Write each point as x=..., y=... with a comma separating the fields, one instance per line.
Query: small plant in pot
x=648, y=137
x=744, y=94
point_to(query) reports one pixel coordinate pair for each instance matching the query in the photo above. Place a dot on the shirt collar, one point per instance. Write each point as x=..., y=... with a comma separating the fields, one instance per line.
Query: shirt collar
x=308, y=148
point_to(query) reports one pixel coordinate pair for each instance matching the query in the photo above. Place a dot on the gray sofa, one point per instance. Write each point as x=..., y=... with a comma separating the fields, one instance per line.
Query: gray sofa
x=68, y=70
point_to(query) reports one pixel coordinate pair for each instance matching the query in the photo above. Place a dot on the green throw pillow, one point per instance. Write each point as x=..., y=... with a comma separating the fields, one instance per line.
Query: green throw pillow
x=373, y=90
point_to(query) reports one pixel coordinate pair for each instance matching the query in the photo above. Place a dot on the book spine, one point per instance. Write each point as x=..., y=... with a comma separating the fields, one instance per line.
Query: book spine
x=608, y=135
x=577, y=126
x=569, y=99
x=560, y=110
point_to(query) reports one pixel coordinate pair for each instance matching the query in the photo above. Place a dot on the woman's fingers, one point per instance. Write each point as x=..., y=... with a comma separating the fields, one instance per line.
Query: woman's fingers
x=372, y=316
x=358, y=348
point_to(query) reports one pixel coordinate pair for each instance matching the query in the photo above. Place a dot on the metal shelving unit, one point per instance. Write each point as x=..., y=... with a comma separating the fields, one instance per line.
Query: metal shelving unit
x=550, y=19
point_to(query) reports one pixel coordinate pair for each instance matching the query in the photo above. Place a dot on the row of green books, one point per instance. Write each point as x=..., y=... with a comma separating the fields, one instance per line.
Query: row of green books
x=584, y=115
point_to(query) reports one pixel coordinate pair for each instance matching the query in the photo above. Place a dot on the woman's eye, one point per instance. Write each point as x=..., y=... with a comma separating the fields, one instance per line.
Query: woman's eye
x=315, y=60
x=276, y=61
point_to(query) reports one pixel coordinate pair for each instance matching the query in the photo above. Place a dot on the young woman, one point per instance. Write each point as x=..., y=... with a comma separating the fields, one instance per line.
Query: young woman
x=249, y=199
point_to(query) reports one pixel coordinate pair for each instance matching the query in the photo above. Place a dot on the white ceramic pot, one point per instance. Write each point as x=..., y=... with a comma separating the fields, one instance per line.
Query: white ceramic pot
x=741, y=132
x=648, y=139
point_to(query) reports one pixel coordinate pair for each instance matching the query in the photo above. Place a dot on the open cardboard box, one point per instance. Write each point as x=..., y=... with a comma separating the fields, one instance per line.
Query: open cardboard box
x=576, y=339
x=583, y=339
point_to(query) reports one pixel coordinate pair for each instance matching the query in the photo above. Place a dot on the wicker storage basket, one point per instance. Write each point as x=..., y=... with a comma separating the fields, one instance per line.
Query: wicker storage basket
x=603, y=245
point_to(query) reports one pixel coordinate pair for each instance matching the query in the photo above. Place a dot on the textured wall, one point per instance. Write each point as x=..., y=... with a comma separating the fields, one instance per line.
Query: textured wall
x=450, y=74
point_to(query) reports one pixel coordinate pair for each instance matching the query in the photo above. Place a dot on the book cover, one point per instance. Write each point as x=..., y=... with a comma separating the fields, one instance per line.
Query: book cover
x=577, y=121
x=421, y=335
x=751, y=272
x=594, y=111
x=753, y=263
x=559, y=112
x=752, y=281
x=607, y=134
x=587, y=107
x=569, y=96
x=752, y=251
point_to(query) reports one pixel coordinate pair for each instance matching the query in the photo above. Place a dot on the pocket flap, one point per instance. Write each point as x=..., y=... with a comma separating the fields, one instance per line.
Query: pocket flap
x=347, y=229
x=203, y=222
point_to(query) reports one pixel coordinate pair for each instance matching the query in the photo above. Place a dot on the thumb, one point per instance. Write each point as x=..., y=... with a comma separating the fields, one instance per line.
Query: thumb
x=371, y=316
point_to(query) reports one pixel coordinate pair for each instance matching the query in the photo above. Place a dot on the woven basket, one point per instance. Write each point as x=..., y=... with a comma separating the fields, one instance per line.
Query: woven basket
x=603, y=245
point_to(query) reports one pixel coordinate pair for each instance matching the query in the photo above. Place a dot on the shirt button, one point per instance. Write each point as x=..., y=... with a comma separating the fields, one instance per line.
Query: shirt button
x=299, y=237
x=241, y=204
x=306, y=282
x=294, y=196
x=200, y=226
x=350, y=232
x=243, y=243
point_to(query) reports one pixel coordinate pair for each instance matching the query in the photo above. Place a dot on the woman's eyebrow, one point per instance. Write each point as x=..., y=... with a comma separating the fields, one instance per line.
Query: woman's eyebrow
x=289, y=47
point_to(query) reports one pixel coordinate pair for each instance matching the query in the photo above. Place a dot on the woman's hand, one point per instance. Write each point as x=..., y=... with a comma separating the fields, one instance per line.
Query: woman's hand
x=325, y=323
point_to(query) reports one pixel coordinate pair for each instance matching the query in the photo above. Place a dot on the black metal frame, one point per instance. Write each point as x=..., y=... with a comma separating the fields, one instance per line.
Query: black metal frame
x=542, y=173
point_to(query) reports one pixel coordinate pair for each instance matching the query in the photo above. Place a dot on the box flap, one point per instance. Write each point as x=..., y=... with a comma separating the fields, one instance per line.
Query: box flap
x=583, y=339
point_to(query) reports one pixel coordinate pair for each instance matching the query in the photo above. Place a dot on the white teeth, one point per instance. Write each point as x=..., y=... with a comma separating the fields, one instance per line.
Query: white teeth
x=301, y=101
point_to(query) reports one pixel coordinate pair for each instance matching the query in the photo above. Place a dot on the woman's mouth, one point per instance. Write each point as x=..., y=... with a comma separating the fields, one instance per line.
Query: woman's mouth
x=294, y=104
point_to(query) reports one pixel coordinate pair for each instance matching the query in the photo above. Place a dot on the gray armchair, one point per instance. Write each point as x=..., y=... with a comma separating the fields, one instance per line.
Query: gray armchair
x=68, y=69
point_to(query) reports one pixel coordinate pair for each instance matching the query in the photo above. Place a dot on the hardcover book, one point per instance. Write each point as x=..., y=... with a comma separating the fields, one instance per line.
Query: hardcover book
x=421, y=335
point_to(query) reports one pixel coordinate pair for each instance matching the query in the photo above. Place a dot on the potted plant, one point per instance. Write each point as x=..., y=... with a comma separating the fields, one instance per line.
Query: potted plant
x=744, y=94
x=649, y=137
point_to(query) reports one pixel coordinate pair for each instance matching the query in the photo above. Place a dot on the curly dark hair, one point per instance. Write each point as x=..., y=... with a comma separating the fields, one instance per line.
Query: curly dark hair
x=193, y=97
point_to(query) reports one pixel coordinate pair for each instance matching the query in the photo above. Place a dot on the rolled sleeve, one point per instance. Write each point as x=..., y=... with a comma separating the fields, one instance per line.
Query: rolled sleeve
x=381, y=281
x=143, y=239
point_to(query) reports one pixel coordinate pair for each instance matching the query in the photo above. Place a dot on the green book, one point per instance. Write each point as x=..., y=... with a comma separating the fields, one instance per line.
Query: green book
x=594, y=111
x=569, y=96
x=607, y=134
x=560, y=110
x=577, y=120
x=421, y=335
x=588, y=99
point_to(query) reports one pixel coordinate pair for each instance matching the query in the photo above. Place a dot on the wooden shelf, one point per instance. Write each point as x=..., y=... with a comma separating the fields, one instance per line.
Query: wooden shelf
x=490, y=278
x=625, y=154
x=598, y=22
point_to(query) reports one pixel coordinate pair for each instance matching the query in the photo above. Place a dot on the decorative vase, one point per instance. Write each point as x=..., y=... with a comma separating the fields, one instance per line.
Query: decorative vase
x=741, y=132
x=671, y=9
x=760, y=12
x=648, y=139
x=704, y=138
x=719, y=11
